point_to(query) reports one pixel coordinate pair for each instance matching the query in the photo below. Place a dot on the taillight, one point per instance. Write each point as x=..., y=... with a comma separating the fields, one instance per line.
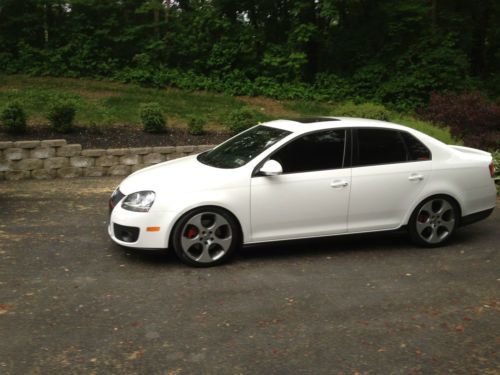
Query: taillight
x=492, y=170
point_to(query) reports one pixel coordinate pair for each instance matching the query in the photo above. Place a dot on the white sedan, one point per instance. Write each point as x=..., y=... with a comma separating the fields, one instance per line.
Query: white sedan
x=315, y=177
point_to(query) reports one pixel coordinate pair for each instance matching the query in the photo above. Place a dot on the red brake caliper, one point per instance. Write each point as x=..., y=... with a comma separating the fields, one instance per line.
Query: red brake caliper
x=422, y=218
x=191, y=232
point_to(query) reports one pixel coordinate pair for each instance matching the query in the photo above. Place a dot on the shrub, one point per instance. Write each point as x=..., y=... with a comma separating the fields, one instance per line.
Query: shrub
x=61, y=115
x=14, y=118
x=152, y=118
x=469, y=115
x=496, y=163
x=242, y=119
x=365, y=110
x=195, y=125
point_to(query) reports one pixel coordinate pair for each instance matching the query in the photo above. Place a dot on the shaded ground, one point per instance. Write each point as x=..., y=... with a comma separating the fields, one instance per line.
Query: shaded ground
x=73, y=303
x=123, y=136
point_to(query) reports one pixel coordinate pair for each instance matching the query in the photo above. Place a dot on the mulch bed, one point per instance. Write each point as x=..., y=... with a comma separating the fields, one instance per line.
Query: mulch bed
x=118, y=137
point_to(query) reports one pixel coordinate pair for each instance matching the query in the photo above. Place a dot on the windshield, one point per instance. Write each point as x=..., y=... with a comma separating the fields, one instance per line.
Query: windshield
x=242, y=148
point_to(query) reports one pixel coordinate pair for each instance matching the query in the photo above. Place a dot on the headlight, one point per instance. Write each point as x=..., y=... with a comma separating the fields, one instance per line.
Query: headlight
x=140, y=201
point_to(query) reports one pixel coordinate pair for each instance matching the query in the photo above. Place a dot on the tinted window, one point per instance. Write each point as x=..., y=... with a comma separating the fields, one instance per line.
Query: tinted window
x=313, y=152
x=417, y=151
x=379, y=146
x=242, y=148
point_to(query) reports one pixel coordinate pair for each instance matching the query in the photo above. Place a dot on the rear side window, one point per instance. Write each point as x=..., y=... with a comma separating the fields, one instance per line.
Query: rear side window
x=387, y=146
x=379, y=146
x=313, y=152
x=417, y=151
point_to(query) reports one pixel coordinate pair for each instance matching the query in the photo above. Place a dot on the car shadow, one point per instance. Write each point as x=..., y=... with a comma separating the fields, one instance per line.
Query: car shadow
x=299, y=249
x=326, y=246
x=151, y=257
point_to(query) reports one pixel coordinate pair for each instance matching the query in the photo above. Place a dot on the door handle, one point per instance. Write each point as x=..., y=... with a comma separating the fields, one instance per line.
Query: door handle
x=416, y=177
x=339, y=184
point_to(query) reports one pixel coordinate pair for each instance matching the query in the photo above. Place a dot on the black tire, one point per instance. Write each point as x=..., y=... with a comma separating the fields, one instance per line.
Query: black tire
x=434, y=221
x=206, y=237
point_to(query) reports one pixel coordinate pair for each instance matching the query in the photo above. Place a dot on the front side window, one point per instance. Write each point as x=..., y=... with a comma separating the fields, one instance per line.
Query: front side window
x=313, y=152
x=242, y=148
x=387, y=146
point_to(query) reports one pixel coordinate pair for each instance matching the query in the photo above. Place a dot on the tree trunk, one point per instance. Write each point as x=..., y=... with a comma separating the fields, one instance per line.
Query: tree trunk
x=156, y=20
x=478, y=50
x=166, y=14
x=45, y=24
x=434, y=15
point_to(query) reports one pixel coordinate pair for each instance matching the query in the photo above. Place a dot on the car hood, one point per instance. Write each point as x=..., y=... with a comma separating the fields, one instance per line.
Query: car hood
x=184, y=174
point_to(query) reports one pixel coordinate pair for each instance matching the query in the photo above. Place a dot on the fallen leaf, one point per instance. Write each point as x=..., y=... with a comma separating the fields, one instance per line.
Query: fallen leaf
x=4, y=308
x=136, y=355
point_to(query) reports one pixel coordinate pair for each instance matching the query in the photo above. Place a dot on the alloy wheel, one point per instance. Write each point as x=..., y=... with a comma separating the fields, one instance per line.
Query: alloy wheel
x=206, y=237
x=435, y=221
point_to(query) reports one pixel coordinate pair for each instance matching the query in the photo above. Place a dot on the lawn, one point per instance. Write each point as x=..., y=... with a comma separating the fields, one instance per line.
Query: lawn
x=105, y=103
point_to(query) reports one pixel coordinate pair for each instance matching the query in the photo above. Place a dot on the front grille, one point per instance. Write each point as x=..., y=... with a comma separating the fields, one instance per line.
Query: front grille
x=116, y=197
x=126, y=234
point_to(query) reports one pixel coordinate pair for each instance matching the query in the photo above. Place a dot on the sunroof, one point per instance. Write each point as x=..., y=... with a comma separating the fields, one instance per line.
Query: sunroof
x=310, y=120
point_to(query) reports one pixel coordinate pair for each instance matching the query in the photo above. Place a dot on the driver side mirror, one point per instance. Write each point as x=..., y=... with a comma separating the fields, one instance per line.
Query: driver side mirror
x=271, y=168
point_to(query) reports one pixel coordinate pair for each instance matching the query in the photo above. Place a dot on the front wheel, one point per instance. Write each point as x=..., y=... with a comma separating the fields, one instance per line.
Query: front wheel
x=206, y=237
x=434, y=221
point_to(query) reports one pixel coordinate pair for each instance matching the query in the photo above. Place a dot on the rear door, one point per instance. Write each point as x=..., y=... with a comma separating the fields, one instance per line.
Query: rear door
x=390, y=169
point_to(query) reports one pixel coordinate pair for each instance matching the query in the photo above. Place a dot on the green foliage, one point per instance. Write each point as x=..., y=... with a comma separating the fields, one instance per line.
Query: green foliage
x=242, y=119
x=308, y=108
x=195, y=125
x=391, y=52
x=496, y=163
x=440, y=133
x=13, y=118
x=365, y=110
x=61, y=114
x=152, y=118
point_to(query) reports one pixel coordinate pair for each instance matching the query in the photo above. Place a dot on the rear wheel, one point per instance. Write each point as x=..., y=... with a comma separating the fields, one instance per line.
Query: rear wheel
x=206, y=237
x=434, y=221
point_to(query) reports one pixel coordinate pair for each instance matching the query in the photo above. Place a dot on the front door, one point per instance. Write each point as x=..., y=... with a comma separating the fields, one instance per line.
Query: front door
x=311, y=197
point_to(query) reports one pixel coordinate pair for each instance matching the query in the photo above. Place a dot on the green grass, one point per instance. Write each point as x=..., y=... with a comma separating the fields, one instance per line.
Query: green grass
x=103, y=103
x=311, y=108
x=109, y=102
x=443, y=134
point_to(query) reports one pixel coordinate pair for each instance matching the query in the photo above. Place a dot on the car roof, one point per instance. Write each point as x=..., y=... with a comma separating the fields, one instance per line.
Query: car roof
x=308, y=124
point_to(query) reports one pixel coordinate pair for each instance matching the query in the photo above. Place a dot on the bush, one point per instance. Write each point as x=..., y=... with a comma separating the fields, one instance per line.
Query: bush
x=496, y=163
x=195, y=125
x=152, y=118
x=365, y=110
x=469, y=115
x=61, y=115
x=242, y=119
x=14, y=118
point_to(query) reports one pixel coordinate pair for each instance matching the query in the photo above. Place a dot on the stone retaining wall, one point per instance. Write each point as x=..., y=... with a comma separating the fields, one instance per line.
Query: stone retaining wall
x=55, y=158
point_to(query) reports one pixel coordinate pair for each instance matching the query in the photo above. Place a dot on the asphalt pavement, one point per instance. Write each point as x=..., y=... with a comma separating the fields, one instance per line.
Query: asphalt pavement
x=72, y=302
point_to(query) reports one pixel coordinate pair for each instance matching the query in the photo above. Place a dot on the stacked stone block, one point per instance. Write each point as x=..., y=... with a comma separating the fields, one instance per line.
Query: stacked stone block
x=56, y=159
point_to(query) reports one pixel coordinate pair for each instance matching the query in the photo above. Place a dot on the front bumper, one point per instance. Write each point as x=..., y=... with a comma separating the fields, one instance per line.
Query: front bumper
x=130, y=229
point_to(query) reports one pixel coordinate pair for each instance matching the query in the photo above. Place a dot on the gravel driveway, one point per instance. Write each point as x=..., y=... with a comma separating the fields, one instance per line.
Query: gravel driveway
x=71, y=302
